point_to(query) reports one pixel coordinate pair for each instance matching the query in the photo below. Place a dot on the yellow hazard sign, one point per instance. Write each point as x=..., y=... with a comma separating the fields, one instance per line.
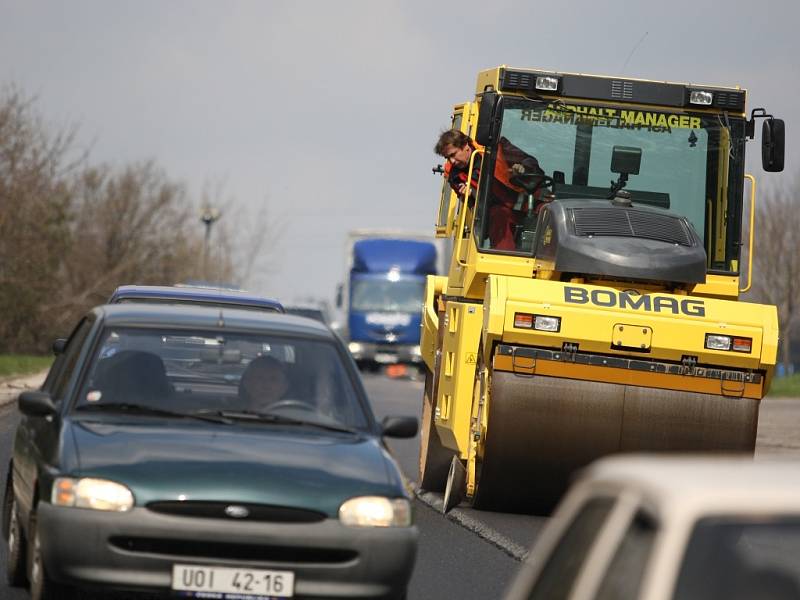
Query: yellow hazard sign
x=472, y=358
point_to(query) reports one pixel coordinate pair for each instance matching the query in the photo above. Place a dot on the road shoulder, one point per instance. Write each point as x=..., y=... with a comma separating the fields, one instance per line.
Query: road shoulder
x=10, y=387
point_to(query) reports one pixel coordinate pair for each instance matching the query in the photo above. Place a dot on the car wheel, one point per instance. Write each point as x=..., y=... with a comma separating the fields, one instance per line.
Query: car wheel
x=42, y=587
x=15, y=551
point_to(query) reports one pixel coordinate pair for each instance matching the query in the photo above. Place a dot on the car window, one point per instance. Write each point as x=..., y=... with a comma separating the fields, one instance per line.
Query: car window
x=626, y=571
x=190, y=371
x=738, y=558
x=64, y=365
x=559, y=572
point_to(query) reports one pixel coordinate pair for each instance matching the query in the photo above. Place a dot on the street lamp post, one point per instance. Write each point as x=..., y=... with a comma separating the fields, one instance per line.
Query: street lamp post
x=208, y=216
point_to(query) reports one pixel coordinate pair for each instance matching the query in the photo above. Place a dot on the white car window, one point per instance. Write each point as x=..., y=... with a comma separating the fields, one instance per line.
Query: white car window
x=626, y=571
x=559, y=572
x=736, y=558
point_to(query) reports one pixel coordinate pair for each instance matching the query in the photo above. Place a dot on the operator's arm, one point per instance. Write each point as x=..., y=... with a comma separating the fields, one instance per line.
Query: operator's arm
x=457, y=178
x=517, y=160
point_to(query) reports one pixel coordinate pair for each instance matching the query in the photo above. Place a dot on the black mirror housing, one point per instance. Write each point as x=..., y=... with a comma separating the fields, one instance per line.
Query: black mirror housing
x=488, y=118
x=399, y=427
x=626, y=160
x=59, y=345
x=773, y=145
x=36, y=403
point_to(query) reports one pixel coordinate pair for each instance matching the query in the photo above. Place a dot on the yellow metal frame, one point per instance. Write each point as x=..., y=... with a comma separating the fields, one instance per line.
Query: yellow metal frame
x=462, y=329
x=752, y=232
x=434, y=286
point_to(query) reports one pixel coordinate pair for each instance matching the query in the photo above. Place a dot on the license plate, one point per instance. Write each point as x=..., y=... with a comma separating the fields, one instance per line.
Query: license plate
x=384, y=358
x=223, y=582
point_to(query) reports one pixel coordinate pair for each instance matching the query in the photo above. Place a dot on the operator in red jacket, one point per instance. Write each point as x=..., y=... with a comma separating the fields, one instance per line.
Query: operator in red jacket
x=508, y=200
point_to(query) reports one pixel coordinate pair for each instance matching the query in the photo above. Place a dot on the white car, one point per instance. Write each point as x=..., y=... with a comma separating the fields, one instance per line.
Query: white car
x=670, y=528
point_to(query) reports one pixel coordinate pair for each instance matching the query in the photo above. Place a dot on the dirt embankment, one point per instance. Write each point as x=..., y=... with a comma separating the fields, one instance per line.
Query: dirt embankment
x=10, y=387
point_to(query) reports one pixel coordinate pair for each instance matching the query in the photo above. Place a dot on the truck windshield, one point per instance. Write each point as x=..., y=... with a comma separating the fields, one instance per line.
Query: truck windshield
x=690, y=164
x=383, y=295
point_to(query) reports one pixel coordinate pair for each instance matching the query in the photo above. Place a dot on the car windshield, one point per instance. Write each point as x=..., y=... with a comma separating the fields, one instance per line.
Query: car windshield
x=742, y=558
x=202, y=373
x=388, y=296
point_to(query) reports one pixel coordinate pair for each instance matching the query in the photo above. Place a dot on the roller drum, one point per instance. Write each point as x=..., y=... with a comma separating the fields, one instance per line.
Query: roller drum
x=541, y=429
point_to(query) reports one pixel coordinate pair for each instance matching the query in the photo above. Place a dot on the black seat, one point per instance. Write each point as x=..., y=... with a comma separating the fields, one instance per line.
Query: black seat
x=133, y=376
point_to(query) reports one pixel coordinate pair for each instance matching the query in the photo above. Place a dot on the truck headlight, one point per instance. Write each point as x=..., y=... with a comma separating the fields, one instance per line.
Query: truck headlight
x=728, y=342
x=538, y=322
x=376, y=511
x=354, y=347
x=87, y=492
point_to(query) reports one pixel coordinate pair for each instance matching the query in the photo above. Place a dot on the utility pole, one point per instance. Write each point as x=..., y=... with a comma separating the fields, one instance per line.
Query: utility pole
x=208, y=216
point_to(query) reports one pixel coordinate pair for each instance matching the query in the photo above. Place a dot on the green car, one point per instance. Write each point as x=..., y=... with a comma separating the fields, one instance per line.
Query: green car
x=208, y=453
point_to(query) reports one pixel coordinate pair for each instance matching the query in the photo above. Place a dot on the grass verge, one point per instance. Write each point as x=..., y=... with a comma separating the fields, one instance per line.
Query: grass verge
x=22, y=364
x=785, y=386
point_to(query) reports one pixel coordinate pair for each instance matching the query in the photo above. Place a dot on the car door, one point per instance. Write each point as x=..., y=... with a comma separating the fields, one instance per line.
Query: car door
x=36, y=439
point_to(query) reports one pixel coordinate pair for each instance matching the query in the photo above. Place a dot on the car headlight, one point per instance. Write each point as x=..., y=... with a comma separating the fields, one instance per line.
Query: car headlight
x=87, y=492
x=376, y=511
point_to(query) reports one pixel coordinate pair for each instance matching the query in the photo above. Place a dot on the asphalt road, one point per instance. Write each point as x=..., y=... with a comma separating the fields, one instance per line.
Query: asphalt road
x=470, y=555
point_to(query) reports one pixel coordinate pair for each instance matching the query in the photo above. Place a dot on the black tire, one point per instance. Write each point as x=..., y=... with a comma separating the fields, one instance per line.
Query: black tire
x=16, y=548
x=41, y=586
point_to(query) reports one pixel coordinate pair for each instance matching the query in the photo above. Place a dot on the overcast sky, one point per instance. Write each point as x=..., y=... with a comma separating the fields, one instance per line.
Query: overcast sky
x=327, y=111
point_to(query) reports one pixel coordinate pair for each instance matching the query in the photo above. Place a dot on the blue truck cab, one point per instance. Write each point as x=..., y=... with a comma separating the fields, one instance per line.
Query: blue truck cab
x=385, y=287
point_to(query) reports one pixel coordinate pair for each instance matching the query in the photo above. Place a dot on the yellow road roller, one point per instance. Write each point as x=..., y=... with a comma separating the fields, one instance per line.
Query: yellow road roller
x=601, y=242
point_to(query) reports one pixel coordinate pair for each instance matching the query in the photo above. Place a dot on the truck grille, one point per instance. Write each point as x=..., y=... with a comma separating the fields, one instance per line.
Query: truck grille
x=630, y=223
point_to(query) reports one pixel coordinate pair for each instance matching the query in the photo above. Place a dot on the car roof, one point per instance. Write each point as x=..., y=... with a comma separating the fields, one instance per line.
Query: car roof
x=701, y=482
x=196, y=293
x=210, y=318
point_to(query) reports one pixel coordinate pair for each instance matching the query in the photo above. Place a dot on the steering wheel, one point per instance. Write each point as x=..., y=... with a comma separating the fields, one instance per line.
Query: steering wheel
x=290, y=403
x=531, y=182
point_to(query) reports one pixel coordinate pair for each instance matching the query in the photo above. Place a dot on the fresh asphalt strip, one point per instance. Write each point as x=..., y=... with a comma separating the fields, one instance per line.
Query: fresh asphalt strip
x=483, y=531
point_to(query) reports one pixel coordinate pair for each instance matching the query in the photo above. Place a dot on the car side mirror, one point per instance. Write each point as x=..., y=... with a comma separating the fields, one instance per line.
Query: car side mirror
x=59, y=345
x=36, y=403
x=773, y=144
x=399, y=427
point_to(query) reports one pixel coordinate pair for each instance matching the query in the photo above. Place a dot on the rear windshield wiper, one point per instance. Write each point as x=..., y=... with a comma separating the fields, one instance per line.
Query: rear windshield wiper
x=259, y=417
x=142, y=409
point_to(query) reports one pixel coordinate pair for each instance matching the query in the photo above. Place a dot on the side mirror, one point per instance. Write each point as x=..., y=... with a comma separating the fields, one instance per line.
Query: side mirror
x=36, y=403
x=773, y=143
x=488, y=118
x=59, y=345
x=626, y=160
x=399, y=427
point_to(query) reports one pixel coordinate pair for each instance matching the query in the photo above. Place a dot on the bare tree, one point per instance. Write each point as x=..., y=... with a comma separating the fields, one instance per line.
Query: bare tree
x=35, y=205
x=71, y=232
x=776, y=267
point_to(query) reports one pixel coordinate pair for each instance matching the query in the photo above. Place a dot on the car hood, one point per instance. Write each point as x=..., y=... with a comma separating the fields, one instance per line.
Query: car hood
x=263, y=464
